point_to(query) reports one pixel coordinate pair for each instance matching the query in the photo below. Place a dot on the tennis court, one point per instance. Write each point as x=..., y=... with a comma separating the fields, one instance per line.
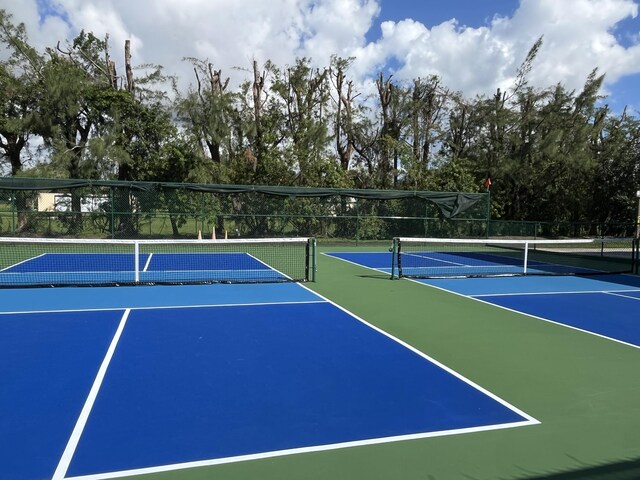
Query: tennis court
x=586, y=298
x=351, y=376
x=45, y=262
x=607, y=306
x=104, y=382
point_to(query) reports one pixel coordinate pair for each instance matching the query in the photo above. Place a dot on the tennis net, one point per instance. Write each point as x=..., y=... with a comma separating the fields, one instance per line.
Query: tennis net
x=60, y=262
x=437, y=257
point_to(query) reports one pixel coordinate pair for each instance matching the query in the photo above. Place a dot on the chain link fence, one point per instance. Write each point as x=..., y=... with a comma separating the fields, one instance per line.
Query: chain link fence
x=82, y=209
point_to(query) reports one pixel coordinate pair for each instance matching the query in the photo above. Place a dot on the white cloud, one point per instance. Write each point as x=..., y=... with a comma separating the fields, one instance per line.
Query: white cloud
x=578, y=36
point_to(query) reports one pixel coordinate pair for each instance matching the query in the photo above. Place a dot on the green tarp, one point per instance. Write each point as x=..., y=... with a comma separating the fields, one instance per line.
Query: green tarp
x=451, y=204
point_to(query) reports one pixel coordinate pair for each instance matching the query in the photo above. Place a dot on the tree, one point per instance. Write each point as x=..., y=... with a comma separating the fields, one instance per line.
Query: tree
x=344, y=107
x=304, y=95
x=617, y=176
x=18, y=83
x=206, y=111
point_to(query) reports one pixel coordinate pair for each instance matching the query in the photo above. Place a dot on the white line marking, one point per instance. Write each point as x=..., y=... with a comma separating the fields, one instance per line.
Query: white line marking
x=428, y=257
x=617, y=294
x=204, y=463
x=530, y=419
x=613, y=292
x=529, y=314
x=156, y=307
x=72, y=444
x=146, y=265
x=269, y=267
x=293, y=451
x=383, y=270
x=23, y=261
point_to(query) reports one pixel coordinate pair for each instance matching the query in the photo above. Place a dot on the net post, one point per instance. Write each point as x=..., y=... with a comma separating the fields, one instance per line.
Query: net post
x=311, y=265
x=526, y=257
x=315, y=257
x=136, y=261
x=394, y=259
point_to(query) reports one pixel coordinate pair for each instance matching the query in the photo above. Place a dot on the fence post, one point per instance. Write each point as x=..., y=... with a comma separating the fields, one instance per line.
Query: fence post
x=14, y=210
x=112, y=213
x=426, y=220
x=357, y=221
x=488, y=233
x=202, y=213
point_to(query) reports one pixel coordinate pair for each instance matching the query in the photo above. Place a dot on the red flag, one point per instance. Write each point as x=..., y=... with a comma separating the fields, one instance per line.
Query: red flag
x=487, y=183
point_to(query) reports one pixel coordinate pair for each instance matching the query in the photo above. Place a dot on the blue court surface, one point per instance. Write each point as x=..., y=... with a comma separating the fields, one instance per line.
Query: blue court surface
x=108, y=382
x=459, y=264
x=603, y=305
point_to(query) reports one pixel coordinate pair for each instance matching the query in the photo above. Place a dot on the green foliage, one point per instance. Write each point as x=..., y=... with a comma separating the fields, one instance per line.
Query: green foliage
x=552, y=154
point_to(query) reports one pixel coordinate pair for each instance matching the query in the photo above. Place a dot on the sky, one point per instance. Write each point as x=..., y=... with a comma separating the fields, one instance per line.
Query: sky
x=475, y=46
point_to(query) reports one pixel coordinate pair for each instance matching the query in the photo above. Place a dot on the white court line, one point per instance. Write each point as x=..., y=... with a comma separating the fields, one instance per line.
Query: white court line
x=269, y=267
x=158, y=307
x=528, y=314
x=328, y=254
x=146, y=265
x=528, y=420
x=511, y=294
x=72, y=444
x=23, y=261
x=418, y=255
x=622, y=294
x=293, y=451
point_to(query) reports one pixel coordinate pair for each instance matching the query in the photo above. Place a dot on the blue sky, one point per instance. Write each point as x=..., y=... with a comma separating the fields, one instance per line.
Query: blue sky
x=408, y=38
x=625, y=90
x=473, y=13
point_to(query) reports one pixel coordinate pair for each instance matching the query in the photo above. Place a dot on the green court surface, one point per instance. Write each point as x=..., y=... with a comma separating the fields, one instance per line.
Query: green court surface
x=584, y=389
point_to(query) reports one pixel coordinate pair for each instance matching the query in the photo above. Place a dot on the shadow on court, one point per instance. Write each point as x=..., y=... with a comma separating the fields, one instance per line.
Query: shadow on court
x=624, y=470
x=381, y=276
x=628, y=280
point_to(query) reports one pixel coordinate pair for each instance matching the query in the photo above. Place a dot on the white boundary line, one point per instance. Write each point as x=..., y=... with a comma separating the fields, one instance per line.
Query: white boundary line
x=329, y=254
x=530, y=419
x=427, y=256
x=269, y=267
x=77, y=432
x=72, y=444
x=146, y=265
x=512, y=294
x=160, y=307
x=293, y=451
x=23, y=261
x=529, y=314
x=619, y=294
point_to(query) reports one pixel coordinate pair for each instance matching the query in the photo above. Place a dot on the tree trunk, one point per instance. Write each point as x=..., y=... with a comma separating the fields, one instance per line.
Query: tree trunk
x=128, y=68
